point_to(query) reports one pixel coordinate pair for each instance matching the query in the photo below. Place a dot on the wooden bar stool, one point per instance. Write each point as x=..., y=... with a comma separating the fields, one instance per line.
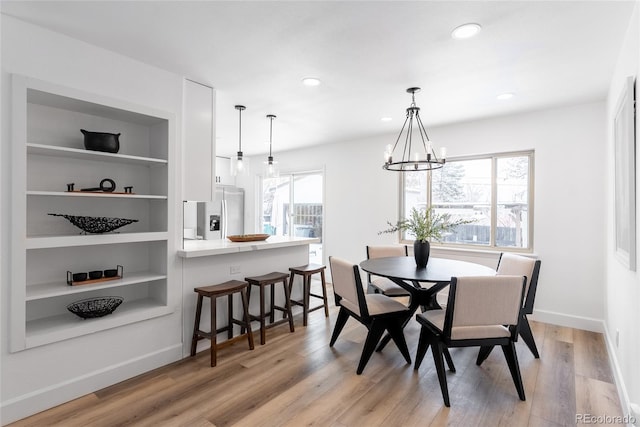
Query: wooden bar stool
x=270, y=280
x=306, y=271
x=215, y=291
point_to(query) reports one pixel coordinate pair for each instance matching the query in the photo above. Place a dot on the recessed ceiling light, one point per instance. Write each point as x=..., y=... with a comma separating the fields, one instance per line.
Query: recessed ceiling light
x=504, y=96
x=386, y=119
x=466, y=31
x=311, y=81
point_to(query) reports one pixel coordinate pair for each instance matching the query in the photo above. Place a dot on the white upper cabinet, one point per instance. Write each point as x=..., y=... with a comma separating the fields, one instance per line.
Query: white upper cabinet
x=223, y=171
x=198, y=148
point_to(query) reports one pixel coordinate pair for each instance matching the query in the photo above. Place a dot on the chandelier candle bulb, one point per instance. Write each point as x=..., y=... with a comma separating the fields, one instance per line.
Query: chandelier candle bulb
x=443, y=153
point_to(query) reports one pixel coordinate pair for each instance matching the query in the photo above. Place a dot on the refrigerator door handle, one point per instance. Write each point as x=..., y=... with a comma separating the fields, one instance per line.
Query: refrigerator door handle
x=224, y=219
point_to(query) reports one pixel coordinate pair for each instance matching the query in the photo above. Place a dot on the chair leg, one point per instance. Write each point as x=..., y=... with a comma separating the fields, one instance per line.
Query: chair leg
x=343, y=316
x=263, y=333
x=194, y=338
x=436, y=349
x=230, y=316
x=447, y=357
x=527, y=336
x=483, y=354
x=272, y=304
x=509, y=351
x=423, y=346
x=287, y=304
x=245, y=307
x=394, y=326
x=324, y=293
x=376, y=330
x=306, y=290
x=214, y=336
x=291, y=277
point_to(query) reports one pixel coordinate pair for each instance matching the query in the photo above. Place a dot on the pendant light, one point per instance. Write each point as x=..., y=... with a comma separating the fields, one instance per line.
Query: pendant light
x=413, y=157
x=270, y=169
x=240, y=167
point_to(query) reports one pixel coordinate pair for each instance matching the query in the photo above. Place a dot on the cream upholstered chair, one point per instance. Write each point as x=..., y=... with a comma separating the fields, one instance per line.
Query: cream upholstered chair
x=481, y=311
x=511, y=264
x=383, y=285
x=375, y=311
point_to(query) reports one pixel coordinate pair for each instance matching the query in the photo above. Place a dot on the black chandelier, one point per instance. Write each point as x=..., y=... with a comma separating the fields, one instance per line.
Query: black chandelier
x=413, y=157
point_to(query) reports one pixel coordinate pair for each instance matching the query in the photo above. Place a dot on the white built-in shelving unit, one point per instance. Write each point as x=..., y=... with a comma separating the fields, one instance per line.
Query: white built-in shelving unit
x=48, y=154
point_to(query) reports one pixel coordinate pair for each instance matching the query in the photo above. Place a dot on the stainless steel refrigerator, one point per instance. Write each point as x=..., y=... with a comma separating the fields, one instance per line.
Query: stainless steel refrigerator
x=224, y=216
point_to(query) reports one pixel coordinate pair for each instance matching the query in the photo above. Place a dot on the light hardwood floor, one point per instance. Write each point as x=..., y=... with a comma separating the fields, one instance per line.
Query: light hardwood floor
x=296, y=379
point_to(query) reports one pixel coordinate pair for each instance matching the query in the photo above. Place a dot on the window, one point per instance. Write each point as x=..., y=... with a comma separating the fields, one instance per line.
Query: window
x=494, y=191
x=292, y=205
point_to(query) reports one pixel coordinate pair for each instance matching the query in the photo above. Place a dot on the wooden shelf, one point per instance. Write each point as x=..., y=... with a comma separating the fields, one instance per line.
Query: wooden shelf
x=61, y=288
x=76, y=153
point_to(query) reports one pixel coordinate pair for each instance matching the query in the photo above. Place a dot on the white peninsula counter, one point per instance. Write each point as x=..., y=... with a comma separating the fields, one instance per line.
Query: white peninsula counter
x=209, y=262
x=199, y=248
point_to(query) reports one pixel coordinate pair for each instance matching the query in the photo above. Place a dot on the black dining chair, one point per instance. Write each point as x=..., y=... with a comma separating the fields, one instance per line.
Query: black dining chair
x=383, y=285
x=512, y=264
x=377, y=312
x=481, y=311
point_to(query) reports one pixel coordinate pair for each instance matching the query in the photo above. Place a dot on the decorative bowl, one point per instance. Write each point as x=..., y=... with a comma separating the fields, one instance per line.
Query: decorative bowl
x=97, y=274
x=101, y=141
x=112, y=272
x=95, y=307
x=248, y=237
x=79, y=277
x=96, y=224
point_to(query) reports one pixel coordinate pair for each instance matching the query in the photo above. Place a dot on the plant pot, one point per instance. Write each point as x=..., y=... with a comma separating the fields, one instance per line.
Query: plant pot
x=421, y=253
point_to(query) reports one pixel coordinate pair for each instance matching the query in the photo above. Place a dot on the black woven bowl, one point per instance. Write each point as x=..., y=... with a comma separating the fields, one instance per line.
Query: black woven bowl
x=95, y=307
x=96, y=224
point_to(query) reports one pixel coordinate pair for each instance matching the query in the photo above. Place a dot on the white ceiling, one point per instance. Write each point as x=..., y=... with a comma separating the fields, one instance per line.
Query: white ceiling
x=366, y=53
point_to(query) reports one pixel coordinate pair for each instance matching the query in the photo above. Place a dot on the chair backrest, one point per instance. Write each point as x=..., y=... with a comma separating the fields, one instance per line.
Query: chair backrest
x=511, y=264
x=484, y=301
x=384, y=251
x=347, y=286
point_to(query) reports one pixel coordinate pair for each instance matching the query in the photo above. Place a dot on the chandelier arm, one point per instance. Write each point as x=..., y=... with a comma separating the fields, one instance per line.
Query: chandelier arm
x=399, y=136
x=423, y=135
x=406, y=153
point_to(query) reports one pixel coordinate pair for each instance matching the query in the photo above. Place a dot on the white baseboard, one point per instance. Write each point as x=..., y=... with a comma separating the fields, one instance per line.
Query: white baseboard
x=576, y=322
x=39, y=400
x=625, y=402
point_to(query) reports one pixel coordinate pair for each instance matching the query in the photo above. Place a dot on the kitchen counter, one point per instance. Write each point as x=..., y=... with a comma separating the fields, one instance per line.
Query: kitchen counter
x=200, y=248
x=209, y=262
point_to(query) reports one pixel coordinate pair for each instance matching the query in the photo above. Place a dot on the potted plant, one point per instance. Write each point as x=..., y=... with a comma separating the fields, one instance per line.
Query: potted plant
x=425, y=225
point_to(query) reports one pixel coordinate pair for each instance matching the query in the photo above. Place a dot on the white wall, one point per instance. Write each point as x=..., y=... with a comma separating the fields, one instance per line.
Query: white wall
x=41, y=377
x=621, y=285
x=569, y=190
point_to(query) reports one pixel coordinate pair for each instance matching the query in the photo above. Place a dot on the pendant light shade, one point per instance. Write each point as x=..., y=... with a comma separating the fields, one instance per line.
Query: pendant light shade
x=240, y=166
x=270, y=165
x=412, y=156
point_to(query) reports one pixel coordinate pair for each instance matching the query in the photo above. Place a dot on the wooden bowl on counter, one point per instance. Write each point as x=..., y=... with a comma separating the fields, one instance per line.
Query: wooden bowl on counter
x=248, y=237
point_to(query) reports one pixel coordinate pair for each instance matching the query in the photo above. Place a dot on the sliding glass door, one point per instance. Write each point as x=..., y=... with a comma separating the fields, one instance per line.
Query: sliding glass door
x=292, y=205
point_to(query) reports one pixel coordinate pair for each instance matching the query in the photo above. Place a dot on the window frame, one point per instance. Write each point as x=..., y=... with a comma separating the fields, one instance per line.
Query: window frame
x=494, y=202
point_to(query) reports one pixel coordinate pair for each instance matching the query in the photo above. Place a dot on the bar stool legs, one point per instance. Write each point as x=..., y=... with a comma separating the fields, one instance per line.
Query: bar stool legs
x=262, y=282
x=306, y=271
x=213, y=292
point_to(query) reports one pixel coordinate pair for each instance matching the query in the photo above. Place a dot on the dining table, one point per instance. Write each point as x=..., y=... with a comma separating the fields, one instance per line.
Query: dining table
x=423, y=284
